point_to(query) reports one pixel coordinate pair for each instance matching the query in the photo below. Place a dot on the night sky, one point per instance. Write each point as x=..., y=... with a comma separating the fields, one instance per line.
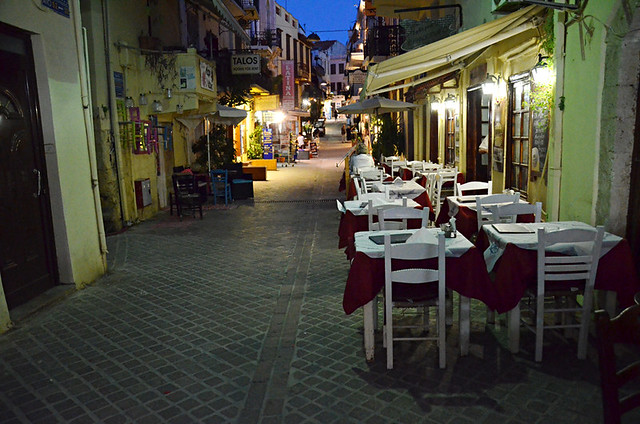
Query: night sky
x=329, y=19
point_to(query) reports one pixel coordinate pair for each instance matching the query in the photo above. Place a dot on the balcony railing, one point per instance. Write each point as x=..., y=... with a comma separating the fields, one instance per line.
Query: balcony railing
x=265, y=38
x=384, y=41
x=302, y=71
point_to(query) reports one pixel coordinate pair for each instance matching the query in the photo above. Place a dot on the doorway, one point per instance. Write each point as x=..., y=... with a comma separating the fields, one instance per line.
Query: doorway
x=27, y=256
x=478, y=114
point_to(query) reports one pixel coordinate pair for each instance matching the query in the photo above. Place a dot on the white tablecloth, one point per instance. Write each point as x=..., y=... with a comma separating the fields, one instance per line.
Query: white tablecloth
x=498, y=241
x=408, y=189
x=360, y=207
x=455, y=247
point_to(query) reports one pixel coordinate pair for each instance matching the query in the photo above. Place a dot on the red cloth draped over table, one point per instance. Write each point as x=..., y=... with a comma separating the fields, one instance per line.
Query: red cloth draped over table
x=406, y=174
x=466, y=275
x=387, y=169
x=516, y=270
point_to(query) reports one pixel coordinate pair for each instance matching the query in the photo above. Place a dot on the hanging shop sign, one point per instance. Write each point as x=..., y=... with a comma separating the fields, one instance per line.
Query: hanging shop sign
x=245, y=64
x=271, y=102
x=288, y=85
x=207, y=76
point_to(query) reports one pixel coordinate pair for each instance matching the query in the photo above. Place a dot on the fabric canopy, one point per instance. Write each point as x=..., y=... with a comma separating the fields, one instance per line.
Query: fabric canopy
x=451, y=50
x=392, y=8
x=376, y=105
x=226, y=115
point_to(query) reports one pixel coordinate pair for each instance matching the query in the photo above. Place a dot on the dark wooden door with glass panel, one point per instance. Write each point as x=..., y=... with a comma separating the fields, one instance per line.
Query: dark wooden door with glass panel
x=518, y=145
x=433, y=134
x=27, y=262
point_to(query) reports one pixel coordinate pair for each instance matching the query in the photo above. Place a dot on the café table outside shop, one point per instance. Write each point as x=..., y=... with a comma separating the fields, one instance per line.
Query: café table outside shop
x=465, y=274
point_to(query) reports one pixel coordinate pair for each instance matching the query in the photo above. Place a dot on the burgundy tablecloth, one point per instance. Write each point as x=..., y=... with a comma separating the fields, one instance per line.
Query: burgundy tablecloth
x=516, y=270
x=406, y=174
x=466, y=275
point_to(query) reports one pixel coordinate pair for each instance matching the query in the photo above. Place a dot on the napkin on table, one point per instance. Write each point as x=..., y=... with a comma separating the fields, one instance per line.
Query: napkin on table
x=398, y=181
x=423, y=235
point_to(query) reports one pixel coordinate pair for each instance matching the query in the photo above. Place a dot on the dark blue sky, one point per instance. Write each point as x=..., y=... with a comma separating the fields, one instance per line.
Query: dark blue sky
x=322, y=15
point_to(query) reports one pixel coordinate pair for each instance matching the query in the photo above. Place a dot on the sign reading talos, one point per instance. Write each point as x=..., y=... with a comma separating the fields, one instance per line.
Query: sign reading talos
x=243, y=64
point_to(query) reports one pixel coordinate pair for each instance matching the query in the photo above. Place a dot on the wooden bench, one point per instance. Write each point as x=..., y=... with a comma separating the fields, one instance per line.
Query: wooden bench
x=259, y=173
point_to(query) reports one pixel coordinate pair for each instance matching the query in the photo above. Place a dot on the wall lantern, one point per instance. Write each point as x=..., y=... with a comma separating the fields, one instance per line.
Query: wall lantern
x=156, y=106
x=450, y=102
x=541, y=73
x=169, y=93
x=490, y=85
x=128, y=102
x=143, y=99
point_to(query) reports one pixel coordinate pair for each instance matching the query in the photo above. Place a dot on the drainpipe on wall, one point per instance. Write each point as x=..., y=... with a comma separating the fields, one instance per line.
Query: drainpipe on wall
x=113, y=121
x=555, y=167
x=81, y=51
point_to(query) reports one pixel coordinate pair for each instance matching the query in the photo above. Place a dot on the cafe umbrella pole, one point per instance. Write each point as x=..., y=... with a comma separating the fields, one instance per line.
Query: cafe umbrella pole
x=208, y=129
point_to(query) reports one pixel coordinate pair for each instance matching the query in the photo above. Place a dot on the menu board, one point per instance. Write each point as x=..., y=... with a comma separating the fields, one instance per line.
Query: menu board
x=267, y=143
x=539, y=140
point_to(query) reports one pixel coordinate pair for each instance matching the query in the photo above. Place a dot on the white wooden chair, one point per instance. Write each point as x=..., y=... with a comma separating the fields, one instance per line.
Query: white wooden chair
x=477, y=187
x=483, y=204
x=414, y=252
x=553, y=271
x=373, y=211
x=388, y=219
x=510, y=212
x=442, y=177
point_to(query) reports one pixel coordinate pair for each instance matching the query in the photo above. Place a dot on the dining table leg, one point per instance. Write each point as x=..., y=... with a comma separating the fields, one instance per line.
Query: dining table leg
x=368, y=315
x=514, y=329
x=464, y=311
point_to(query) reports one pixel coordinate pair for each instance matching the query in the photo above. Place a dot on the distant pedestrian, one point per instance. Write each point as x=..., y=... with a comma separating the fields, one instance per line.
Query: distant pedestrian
x=300, y=141
x=343, y=131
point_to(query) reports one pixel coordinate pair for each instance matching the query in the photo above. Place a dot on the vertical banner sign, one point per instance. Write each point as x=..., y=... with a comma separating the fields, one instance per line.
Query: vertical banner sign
x=288, y=85
x=267, y=143
x=207, y=76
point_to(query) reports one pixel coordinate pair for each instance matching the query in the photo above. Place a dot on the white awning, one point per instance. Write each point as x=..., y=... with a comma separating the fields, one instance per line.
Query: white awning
x=449, y=52
x=226, y=115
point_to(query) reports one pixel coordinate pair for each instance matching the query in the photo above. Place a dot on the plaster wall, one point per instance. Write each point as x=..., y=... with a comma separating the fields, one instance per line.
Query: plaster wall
x=66, y=149
x=599, y=115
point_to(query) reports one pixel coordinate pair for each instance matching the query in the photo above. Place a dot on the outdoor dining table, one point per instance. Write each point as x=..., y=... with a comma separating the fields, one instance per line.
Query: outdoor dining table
x=463, y=208
x=465, y=273
x=511, y=258
x=356, y=218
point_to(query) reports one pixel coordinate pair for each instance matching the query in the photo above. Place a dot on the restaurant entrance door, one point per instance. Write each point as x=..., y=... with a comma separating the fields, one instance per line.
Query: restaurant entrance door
x=477, y=130
x=633, y=215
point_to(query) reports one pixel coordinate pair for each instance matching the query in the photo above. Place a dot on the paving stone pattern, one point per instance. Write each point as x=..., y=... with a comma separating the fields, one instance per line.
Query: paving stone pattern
x=237, y=318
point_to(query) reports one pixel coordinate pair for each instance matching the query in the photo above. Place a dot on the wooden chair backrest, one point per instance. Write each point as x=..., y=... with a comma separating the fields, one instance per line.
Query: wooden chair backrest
x=623, y=329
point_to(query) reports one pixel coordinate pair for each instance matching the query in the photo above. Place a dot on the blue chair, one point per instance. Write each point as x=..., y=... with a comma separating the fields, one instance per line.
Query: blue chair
x=220, y=185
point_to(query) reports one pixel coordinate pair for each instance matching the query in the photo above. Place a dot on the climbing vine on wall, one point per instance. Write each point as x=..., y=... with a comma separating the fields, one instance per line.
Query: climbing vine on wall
x=163, y=67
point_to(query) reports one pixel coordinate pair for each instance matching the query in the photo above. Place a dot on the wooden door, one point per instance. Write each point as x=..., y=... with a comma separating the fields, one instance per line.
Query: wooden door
x=27, y=254
x=433, y=135
x=477, y=130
